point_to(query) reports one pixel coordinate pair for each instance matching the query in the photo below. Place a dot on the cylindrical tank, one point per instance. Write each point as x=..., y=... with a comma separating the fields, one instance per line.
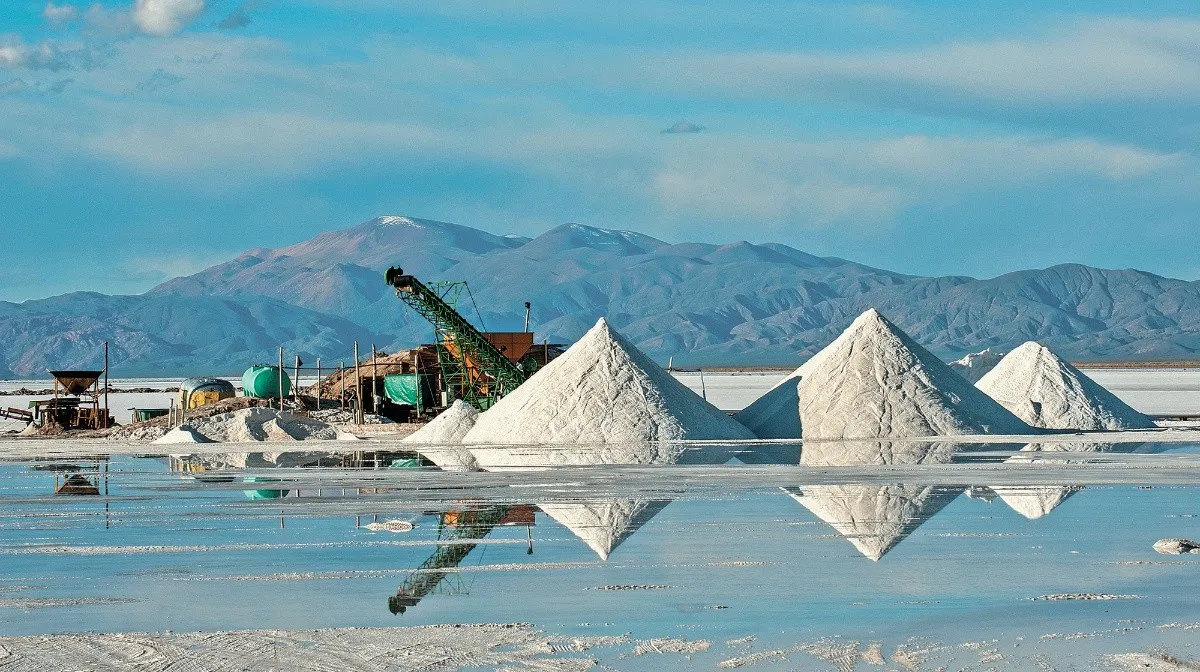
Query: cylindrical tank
x=195, y=392
x=262, y=382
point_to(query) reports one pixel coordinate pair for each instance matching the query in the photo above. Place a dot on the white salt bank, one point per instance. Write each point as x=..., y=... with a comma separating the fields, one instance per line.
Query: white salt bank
x=602, y=390
x=441, y=440
x=876, y=382
x=977, y=364
x=1045, y=391
x=182, y=434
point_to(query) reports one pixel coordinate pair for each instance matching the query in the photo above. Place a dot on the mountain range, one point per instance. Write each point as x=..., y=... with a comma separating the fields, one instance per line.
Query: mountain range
x=702, y=304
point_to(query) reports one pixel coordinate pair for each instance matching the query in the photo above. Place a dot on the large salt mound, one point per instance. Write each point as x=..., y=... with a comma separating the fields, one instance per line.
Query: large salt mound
x=1045, y=391
x=441, y=439
x=977, y=364
x=877, y=382
x=603, y=525
x=776, y=414
x=602, y=390
x=261, y=424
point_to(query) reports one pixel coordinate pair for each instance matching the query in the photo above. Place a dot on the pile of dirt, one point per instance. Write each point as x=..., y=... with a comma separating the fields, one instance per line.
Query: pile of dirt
x=155, y=428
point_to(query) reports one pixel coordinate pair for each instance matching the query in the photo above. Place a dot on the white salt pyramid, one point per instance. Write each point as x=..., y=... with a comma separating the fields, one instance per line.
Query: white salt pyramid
x=1034, y=501
x=976, y=364
x=776, y=414
x=877, y=382
x=441, y=440
x=1045, y=391
x=874, y=518
x=604, y=525
x=602, y=390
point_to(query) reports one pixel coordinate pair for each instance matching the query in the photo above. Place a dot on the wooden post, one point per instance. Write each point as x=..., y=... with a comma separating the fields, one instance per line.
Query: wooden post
x=281, y=374
x=374, y=380
x=106, y=385
x=342, y=380
x=296, y=381
x=318, y=383
x=358, y=419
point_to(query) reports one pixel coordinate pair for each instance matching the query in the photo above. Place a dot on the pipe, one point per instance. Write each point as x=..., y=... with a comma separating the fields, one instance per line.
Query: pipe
x=527, y=317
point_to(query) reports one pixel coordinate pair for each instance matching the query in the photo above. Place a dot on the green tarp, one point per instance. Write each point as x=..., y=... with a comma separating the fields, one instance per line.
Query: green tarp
x=408, y=388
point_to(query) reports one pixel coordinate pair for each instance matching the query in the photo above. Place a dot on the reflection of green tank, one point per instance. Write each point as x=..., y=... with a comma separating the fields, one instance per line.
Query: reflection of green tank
x=262, y=382
x=263, y=494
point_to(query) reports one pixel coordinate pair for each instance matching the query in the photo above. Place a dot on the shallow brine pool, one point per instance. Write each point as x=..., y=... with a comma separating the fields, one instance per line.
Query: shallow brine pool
x=898, y=555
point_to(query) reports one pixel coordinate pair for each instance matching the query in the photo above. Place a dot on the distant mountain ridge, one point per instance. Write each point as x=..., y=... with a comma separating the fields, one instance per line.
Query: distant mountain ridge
x=703, y=304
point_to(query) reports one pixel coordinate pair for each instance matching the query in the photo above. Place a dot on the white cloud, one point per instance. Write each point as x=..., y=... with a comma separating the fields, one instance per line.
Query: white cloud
x=163, y=18
x=46, y=55
x=1097, y=59
x=58, y=16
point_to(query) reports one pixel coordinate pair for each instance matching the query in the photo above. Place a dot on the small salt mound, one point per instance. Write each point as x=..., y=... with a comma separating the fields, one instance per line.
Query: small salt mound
x=1034, y=501
x=442, y=438
x=602, y=390
x=604, y=525
x=182, y=434
x=877, y=382
x=262, y=424
x=976, y=365
x=776, y=414
x=1045, y=391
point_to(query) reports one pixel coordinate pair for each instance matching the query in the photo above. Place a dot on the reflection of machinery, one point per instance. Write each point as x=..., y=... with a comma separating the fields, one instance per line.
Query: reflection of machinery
x=477, y=367
x=76, y=402
x=195, y=392
x=458, y=534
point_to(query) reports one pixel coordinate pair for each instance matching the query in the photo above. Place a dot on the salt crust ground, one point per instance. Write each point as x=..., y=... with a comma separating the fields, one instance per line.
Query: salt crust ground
x=438, y=647
x=441, y=439
x=1045, y=391
x=876, y=382
x=602, y=390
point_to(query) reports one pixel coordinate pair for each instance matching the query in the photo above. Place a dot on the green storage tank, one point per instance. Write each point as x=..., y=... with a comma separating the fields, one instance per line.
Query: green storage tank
x=262, y=382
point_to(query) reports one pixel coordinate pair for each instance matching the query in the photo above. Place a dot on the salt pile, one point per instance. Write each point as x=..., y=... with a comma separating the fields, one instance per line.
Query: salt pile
x=976, y=365
x=182, y=434
x=876, y=382
x=776, y=414
x=442, y=438
x=602, y=390
x=874, y=518
x=261, y=424
x=1045, y=391
x=604, y=525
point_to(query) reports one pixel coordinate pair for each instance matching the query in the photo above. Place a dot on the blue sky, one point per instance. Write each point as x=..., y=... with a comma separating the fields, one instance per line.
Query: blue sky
x=141, y=139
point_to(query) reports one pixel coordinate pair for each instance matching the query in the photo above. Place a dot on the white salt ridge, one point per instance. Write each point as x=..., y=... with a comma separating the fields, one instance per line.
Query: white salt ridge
x=182, y=434
x=876, y=382
x=1045, y=391
x=776, y=414
x=602, y=390
x=977, y=364
x=441, y=439
x=261, y=424
x=603, y=525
